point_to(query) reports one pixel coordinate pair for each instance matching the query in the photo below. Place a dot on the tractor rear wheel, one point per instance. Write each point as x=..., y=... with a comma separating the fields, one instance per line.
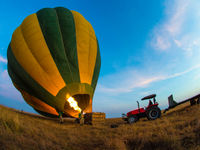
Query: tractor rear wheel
x=153, y=113
x=132, y=119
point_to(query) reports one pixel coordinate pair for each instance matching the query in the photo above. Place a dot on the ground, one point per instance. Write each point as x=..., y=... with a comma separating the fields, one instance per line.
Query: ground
x=179, y=129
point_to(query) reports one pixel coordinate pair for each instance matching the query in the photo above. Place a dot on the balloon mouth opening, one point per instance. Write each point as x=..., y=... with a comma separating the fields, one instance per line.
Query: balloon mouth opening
x=83, y=100
x=77, y=103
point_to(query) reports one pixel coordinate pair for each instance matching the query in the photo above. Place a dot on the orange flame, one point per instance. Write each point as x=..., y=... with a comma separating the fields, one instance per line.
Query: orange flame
x=73, y=104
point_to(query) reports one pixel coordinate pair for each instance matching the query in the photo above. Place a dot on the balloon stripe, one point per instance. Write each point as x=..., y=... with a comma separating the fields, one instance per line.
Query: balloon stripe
x=38, y=104
x=25, y=79
x=92, y=52
x=45, y=113
x=96, y=69
x=86, y=47
x=15, y=79
x=67, y=27
x=31, y=100
x=35, y=41
x=27, y=60
x=50, y=28
x=82, y=39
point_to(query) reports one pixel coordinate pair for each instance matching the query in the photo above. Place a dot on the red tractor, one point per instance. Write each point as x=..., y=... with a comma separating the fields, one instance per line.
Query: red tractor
x=152, y=111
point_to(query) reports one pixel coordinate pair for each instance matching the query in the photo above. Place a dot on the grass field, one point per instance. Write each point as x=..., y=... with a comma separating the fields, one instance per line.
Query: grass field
x=178, y=129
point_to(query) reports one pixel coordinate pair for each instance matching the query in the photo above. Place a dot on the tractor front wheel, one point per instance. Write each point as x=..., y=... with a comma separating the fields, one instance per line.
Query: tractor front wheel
x=153, y=113
x=132, y=119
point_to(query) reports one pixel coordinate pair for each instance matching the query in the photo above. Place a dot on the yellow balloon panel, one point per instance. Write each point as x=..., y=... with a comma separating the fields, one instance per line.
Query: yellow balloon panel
x=39, y=49
x=38, y=104
x=92, y=53
x=86, y=47
x=29, y=63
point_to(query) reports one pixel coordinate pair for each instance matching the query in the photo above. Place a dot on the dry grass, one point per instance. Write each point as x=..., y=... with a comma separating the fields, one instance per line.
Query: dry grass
x=178, y=129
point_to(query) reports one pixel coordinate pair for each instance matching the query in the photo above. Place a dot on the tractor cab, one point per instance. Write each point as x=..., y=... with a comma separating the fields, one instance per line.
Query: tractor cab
x=152, y=111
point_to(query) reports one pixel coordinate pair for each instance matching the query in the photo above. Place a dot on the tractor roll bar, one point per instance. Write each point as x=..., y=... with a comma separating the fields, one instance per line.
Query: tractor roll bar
x=149, y=97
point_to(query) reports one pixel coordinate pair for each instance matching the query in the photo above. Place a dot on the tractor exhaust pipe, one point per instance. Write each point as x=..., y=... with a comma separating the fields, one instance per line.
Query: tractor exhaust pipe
x=138, y=106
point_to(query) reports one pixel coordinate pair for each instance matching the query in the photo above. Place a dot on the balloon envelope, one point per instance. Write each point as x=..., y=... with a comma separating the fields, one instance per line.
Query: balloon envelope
x=54, y=55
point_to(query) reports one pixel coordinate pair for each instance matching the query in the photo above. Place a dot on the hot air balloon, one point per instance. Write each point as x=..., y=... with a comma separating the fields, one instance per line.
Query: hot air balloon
x=54, y=61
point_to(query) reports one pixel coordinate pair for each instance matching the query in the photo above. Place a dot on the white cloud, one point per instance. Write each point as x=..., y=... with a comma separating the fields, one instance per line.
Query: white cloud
x=4, y=75
x=177, y=11
x=161, y=43
x=6, y=87
x=180, y=23
x=125, y=81
x=132, y=84
x=182, y=73
x=129, y=82
x=4, y=60
x=189, y=43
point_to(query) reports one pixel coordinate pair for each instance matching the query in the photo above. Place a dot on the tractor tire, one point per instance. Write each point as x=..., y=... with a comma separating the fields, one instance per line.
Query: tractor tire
x=198, y=100
x=153, y=113
x=132, y=119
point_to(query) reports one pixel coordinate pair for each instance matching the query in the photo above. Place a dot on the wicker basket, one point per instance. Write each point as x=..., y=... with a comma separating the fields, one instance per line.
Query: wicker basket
x=94, y=118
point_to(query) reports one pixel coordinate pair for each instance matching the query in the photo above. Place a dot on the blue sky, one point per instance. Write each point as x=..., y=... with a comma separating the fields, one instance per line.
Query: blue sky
x=146, y=47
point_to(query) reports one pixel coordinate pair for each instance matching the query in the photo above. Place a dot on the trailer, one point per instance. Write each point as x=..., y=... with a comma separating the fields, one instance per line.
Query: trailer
x=172, y=103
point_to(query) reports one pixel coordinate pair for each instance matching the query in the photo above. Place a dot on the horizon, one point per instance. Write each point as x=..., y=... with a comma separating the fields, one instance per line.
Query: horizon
x=146, y=48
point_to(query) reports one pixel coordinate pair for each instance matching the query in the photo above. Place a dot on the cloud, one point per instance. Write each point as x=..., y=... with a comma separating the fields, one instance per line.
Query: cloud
x=4, y=75
x=133, y=83
x=177, y=12
x=3, y=60
x=129, y=81
x=189, y=43
x=6, y=87
x=182, y=73
x=160, y=42
x=179, y=27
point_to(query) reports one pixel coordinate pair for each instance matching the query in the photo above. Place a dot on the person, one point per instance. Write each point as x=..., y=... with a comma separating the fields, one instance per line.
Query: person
x=60, y=117
x=150, y=102
x=81, y=118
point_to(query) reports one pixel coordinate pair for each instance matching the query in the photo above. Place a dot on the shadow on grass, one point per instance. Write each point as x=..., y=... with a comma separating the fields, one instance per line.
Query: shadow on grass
x=149, y=145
